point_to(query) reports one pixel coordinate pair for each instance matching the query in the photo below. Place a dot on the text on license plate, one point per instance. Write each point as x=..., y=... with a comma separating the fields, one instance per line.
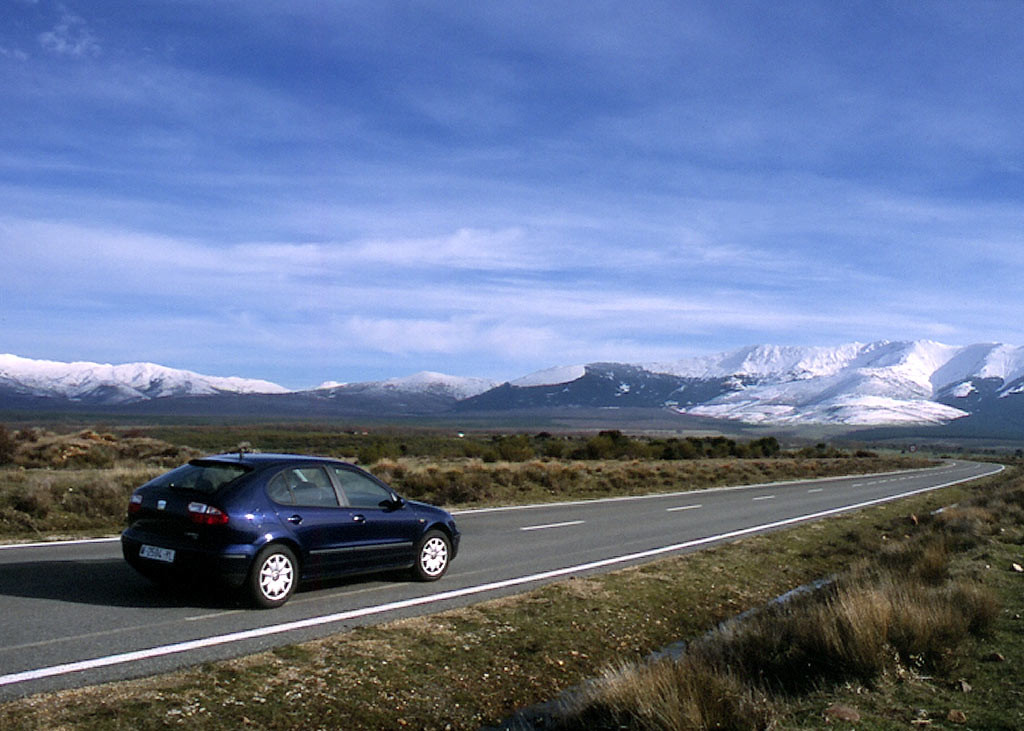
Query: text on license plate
x=157, y=554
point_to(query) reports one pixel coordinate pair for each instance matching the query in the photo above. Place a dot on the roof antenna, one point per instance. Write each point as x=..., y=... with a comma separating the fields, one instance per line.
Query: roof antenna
x=244, y=448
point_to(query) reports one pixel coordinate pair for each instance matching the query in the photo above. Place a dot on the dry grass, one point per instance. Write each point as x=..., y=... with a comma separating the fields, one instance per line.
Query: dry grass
x=687, y=695
x=47, y=503
x=37, y=448
x=897, y=613
x=473, y=481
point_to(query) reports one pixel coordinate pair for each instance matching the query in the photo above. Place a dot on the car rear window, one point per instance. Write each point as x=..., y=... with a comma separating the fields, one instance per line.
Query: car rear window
x=206, y=477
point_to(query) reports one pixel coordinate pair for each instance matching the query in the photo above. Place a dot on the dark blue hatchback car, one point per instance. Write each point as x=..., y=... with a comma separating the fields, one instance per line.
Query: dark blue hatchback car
x=265, y=522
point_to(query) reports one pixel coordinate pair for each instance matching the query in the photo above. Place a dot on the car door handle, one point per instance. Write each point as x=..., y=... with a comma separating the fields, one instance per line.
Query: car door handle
x=359, y=518
x=295, y=519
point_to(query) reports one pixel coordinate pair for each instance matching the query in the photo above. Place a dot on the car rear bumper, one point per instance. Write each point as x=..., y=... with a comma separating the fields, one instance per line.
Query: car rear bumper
x=228, y=565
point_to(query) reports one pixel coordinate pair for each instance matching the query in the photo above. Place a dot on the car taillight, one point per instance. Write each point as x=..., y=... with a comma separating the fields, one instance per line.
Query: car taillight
x=204, y=514
x=134, y=503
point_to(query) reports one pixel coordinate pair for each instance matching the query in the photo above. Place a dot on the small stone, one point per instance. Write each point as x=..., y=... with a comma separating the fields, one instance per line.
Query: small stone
x=842, y=713
x=994, y=657
x=965, y=687
x=1018, y=568
x=956, y=716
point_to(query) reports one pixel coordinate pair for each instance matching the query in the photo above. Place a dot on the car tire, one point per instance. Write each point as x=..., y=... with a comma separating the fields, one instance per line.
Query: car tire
x=275, y=573
x=433, y=554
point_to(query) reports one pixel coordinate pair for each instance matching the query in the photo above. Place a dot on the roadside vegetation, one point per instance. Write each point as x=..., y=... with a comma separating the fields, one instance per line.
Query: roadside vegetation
x=903, y=615
x=370, y=446
x=77, y=483
x=919, y=627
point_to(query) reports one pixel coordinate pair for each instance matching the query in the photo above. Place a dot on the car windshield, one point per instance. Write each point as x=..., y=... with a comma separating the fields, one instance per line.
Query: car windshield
x=205, y=477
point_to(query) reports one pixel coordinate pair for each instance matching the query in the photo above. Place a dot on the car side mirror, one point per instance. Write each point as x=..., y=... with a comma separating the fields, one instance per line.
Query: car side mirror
x=393, y=503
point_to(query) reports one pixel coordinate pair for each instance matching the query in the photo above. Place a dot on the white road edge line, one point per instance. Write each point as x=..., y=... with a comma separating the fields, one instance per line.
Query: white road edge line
x=178, y=647
x=553, y=525
x=72, y=542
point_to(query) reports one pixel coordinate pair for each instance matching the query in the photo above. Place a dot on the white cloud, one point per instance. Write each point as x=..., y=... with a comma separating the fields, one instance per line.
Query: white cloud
x=70, y=37
x=472, y=249
x=15, y=53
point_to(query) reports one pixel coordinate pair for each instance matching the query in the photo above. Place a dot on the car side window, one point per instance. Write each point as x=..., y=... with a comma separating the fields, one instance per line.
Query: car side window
x=278, y=491
x=361, y=491
x=303, y=486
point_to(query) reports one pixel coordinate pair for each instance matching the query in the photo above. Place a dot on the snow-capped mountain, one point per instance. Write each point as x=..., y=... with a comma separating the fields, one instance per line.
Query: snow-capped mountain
x=27, y=383
x=857, y=384
x=115, y=384
x=854, y=384
x=874, y=383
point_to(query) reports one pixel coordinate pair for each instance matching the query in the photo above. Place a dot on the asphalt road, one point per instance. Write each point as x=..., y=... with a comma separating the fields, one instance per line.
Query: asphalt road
x=75, y=614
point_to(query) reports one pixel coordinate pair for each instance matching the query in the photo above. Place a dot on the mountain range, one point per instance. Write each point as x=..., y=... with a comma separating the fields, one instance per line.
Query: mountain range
x=855, y=385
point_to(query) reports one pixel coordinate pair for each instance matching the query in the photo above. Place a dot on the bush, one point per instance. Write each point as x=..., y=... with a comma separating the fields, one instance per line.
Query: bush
x=33, y=501
x=7, y=446
x=88, y=448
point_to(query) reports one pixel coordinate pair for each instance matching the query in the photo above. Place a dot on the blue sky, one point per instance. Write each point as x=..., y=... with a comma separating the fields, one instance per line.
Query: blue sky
x=310, y=191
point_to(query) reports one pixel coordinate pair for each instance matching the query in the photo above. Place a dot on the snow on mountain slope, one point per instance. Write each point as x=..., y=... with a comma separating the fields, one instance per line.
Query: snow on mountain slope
x=105, y=383
x=439, y=384
x=428, y=381
x=883, y=382
x=875, y=383
x=981, y=361
x=851, y=410
x=551, y=376
x=766, y=361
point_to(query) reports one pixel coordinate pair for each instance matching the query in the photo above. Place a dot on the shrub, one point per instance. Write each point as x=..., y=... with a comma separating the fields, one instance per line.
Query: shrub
x=515, y=448
x=34, y=501
x=7, y=445
x=670, y=696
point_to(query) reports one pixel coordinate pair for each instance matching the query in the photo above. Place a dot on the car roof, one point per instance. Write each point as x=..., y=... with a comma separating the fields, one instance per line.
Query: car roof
x=266, y=459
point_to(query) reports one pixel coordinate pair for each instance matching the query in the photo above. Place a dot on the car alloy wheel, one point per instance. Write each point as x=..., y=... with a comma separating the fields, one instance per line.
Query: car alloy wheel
x=432, y=556
x=274, y=576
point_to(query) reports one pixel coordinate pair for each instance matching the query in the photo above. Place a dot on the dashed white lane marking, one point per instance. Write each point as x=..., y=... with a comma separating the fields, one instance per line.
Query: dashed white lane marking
x=763, y=497
x=553, y=525
x=816, y=489
x=683, y=507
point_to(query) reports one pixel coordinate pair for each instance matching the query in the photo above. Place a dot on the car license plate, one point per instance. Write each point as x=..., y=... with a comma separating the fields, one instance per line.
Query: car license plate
x=157, y=554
